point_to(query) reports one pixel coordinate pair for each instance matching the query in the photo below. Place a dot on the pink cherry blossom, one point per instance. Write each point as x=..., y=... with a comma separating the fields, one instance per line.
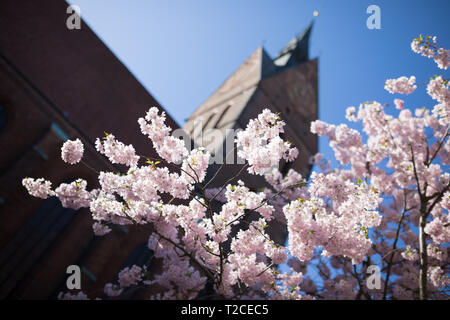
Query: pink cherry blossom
x=386, y=204
x=40, y=188
x=402, y=85
x=72, y=151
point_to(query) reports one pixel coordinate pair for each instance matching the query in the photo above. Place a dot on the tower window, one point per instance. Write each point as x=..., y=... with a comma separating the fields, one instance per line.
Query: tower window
x=218, y=124
x=208, y=121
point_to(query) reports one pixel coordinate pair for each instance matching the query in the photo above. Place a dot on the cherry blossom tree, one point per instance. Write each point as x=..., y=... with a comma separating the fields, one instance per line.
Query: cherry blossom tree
x=385, y=206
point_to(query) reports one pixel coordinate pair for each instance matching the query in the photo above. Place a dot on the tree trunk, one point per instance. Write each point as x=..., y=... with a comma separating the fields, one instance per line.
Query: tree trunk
x=423, y=259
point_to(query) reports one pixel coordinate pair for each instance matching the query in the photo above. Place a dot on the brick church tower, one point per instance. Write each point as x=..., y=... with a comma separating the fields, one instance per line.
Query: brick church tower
x=286, y=84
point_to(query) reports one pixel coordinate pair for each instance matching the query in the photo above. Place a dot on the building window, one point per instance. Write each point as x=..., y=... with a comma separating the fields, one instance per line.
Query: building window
x=205, y=125
x=3, y=117
x=32, y=242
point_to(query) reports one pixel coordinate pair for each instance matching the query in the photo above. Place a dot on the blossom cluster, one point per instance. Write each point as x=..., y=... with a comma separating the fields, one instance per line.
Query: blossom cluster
x=260, y=143
x=116, y=151
x=168, y=147
x=402, y=85
x=72, y=151
x=406, y=161
x=39, y=188
x=427, y=47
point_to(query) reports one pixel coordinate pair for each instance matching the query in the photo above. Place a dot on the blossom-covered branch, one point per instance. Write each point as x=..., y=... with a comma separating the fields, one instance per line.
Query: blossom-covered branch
x=386, y=205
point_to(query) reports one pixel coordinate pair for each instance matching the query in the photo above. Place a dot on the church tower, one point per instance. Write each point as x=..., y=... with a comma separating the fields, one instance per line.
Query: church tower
x=286, y=84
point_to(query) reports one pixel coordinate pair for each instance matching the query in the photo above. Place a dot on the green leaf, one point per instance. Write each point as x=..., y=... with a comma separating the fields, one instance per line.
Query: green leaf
x=106, y=135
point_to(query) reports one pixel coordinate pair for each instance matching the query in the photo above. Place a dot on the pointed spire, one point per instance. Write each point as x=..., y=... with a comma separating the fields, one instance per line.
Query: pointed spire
x=296, y=51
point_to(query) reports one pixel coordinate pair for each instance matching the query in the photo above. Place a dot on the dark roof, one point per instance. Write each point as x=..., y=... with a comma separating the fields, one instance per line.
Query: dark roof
x=296, y=51
x=268, y=68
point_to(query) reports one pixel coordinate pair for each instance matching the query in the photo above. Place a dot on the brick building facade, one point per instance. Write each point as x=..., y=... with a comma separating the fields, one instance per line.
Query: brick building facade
x=58, y=84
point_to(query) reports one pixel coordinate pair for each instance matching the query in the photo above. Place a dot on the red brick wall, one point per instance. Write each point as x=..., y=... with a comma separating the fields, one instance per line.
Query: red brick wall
x=75, y=69
x=46, y=70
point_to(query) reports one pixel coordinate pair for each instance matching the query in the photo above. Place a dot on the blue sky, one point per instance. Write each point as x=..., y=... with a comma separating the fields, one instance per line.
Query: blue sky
x=181, y=51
